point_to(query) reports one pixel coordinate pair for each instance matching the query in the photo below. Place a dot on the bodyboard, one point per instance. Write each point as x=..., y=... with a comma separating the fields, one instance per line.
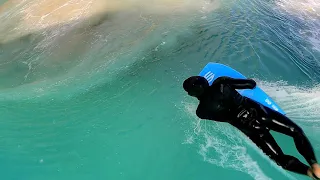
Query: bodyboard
x=213, y=71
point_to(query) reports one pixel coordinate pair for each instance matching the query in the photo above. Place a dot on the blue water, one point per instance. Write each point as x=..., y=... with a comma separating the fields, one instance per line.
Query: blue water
x=106, y=101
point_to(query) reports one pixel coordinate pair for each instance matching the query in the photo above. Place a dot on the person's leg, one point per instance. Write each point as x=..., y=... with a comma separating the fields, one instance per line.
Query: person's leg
x=270, y=147
x=280, y=123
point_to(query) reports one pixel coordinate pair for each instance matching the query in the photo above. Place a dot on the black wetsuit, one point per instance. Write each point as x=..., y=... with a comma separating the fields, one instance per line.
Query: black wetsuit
x=221, y=102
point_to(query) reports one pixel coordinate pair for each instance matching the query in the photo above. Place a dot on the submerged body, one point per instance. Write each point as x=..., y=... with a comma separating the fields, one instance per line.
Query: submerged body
x=221, y=102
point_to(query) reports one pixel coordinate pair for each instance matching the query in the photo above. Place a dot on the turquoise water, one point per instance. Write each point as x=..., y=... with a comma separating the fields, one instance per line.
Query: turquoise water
x=107, y=103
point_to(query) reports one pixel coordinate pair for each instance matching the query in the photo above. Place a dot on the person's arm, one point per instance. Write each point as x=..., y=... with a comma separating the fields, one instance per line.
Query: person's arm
x=236, y=83
x=203, y=114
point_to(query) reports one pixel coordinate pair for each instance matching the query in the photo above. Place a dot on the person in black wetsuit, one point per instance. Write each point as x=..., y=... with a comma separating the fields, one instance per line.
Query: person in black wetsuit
x=221, y=102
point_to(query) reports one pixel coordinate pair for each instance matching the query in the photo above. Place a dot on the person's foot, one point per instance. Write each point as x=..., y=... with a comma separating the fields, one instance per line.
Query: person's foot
x=310, y=173
x=314, y=171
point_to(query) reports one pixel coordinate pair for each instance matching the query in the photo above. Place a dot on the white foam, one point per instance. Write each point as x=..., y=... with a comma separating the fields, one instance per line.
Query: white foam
x=307, y=8
x=301, y=105
x=309, y=12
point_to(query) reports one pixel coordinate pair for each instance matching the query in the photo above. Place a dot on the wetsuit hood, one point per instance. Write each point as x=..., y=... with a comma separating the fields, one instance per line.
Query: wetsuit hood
x=195, y=85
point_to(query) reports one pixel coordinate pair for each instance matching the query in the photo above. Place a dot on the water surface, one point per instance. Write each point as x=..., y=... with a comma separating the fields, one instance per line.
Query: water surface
x=101, y=97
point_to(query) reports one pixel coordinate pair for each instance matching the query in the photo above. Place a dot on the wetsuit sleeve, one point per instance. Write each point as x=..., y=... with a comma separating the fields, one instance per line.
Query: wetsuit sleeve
x=236, y=83
x=203, y=114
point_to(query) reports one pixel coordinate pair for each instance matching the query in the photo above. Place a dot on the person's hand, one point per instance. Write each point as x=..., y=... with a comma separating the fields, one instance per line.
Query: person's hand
x=254, y=84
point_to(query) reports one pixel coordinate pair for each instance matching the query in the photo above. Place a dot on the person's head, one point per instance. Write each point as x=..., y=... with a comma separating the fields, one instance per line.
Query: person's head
x=195, y=85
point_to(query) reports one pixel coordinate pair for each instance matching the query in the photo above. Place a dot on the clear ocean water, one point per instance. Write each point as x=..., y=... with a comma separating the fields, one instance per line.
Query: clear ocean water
x=105, y=101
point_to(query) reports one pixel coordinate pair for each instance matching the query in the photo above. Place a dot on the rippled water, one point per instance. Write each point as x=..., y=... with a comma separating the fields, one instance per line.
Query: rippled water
x=101, y=98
